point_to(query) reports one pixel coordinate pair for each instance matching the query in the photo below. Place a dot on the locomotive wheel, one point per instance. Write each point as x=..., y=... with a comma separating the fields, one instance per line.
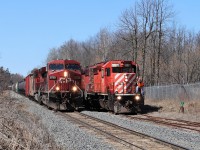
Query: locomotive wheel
x=111, y=102
x=85, y=95
x=48, y=104
x=86, y=104
x=116, y=108
x=40, y=100
x=86, y=101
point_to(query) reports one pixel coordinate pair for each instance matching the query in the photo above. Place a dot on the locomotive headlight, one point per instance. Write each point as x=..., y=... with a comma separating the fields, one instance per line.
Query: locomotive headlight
x=65, y=74
x=74, y=88
x=126, y=78
x=119, y=97
x=137, y=97
x=57, y=88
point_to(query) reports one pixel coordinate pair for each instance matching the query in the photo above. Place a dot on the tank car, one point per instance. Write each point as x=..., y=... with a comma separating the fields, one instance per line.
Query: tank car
x=112, y=85
x=57, y=85
x=19, y=87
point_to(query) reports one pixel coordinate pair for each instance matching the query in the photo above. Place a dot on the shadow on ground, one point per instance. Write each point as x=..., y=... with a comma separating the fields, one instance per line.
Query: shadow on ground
x=150, y=108
x=145, y=109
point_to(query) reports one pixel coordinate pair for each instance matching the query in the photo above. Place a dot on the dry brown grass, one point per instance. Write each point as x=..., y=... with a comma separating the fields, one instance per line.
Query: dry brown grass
x=21, y=130
x=171, y=109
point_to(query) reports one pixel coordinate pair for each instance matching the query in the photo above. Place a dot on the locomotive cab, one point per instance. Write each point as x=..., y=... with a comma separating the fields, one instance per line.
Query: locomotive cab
x=64, y=75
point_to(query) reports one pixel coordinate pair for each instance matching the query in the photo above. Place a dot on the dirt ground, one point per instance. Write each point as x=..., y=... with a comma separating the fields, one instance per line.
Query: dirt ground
x=19, y=129
x=171, y=109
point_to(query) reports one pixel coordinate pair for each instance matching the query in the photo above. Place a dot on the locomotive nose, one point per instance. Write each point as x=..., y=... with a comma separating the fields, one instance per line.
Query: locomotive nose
x=124, y=83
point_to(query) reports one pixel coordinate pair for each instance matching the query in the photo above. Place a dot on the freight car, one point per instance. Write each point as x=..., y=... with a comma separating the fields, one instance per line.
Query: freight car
x=112, y=85
x=57, y=85
x=19, y=87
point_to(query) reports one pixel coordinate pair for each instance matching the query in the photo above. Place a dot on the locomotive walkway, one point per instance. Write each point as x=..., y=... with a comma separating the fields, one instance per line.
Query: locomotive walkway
x=121, y=137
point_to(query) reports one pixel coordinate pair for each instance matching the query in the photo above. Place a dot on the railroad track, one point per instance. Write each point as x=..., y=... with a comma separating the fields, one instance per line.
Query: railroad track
x=194, y=126
x=120, y=137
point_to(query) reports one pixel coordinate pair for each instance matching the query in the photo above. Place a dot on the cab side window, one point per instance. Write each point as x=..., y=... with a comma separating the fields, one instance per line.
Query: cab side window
x=107, y=71
x=95, y=71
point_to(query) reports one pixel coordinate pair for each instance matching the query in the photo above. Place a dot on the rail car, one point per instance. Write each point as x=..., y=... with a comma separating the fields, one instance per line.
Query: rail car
x=56, y=85
x=19, y=87
x=112, y=85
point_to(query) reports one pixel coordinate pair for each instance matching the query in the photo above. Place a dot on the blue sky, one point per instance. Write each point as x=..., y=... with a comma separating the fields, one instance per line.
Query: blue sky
x=28, y=29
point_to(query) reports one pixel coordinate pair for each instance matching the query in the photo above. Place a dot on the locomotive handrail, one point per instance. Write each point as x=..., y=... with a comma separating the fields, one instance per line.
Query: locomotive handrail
x=52, y=87
x=126, y=94
x=79, y=89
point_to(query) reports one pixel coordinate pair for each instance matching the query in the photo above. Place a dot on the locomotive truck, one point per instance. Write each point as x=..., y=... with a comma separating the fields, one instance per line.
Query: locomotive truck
x=112, y=85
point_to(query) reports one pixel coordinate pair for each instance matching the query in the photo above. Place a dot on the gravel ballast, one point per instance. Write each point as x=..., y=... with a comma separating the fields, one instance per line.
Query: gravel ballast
x=66, y=134
x=70, y=136
x=184, y=138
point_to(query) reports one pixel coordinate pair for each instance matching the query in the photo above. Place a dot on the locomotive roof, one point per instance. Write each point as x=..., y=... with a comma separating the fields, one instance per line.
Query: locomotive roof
x=64, y=61
x=101, y=64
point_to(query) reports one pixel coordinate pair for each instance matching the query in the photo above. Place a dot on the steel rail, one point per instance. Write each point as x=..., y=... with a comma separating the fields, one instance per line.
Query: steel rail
x=119, y=128
x=162, y=121
x=102, y=131
x=188, y=123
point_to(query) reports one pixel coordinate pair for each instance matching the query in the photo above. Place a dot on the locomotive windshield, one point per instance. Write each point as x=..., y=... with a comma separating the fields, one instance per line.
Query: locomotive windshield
x=56, y=66
x=131, y=69
x=72, y=67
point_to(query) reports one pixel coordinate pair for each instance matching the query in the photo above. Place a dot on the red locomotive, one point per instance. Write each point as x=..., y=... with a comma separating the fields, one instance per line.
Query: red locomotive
x=112, y=85
x=57, y=85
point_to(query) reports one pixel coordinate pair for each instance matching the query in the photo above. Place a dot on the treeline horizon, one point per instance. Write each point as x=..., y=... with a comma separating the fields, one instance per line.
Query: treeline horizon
x=147, y=34
x=7, y=79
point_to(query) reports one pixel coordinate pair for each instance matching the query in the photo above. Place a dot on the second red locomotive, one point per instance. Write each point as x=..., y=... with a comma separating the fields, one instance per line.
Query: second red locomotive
x=112, y=85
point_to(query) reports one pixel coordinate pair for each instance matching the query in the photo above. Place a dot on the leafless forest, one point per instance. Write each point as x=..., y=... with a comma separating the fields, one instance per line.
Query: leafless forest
x=7, y=79
x=146, y=33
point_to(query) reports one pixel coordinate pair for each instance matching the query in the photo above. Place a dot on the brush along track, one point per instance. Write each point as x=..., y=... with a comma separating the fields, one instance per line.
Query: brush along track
x=195, y=126
x=121, y=137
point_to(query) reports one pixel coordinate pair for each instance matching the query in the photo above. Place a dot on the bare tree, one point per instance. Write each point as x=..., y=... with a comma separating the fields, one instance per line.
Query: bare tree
x=16, y=78
x=104, y=42
x=70, y=50
x=163, y=16
x=88, y=52
x=129, y=31
x=52, y=55
x=146, y=13
x=5, y=79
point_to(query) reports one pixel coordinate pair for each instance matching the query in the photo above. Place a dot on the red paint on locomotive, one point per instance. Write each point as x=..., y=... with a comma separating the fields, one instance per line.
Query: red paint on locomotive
x=112, y=84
